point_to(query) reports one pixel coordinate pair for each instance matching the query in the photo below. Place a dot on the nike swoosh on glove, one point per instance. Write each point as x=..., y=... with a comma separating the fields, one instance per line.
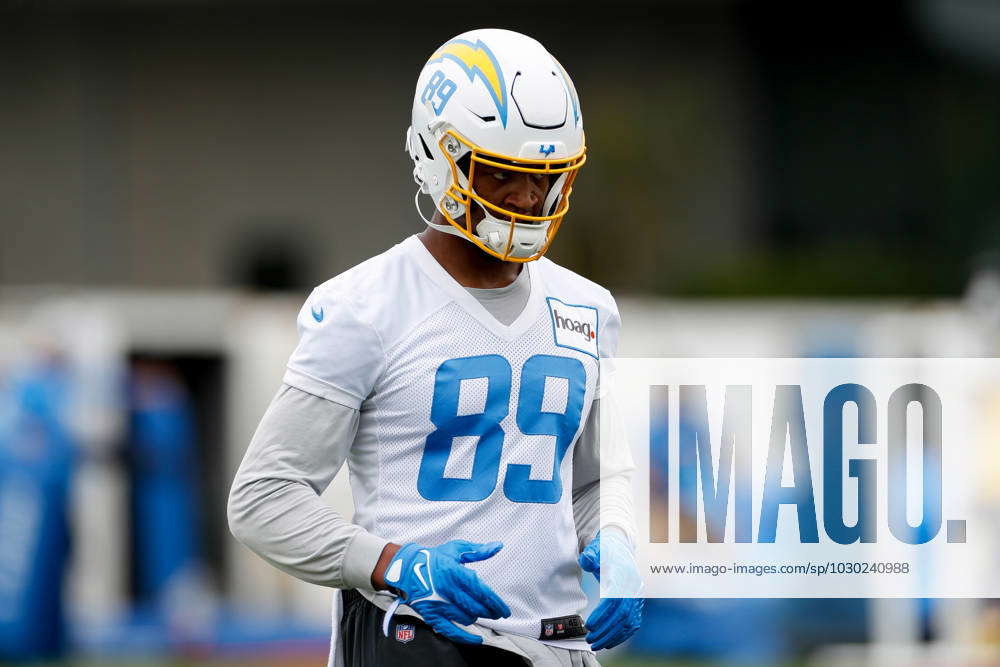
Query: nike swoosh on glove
x=435, y=583
x=615, y=619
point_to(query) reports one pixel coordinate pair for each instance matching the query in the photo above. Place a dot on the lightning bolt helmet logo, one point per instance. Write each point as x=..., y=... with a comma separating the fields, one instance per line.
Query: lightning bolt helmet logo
x=478, y=61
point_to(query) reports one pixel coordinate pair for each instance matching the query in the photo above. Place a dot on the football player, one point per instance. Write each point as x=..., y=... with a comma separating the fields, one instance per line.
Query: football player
x=458, y=376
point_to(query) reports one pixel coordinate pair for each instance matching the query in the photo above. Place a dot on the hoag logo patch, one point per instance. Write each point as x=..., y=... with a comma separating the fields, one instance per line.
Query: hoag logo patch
x=574, y=326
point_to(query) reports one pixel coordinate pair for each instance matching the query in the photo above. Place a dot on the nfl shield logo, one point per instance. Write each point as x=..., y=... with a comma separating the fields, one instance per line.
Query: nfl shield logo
x=405, y=632
x=549, y=630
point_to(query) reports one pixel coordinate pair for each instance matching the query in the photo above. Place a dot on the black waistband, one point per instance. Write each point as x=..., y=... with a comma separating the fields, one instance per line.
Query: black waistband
x=563, y=627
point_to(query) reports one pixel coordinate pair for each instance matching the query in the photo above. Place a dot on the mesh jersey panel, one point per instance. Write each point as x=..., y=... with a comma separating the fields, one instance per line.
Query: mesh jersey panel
x=536, y=572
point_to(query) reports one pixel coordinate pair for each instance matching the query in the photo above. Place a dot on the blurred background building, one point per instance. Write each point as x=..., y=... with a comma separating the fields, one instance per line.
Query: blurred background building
x=175, y=175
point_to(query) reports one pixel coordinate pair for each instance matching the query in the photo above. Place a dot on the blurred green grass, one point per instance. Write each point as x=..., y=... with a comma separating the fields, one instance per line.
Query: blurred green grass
x=313, y=660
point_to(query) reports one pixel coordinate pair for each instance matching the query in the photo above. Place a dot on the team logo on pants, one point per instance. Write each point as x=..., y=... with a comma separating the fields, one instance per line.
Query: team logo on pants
x=405, y=632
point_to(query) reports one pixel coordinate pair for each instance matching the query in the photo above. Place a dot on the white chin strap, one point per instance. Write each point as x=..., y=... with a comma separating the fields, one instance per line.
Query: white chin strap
x=447, y=229
x=529, y=238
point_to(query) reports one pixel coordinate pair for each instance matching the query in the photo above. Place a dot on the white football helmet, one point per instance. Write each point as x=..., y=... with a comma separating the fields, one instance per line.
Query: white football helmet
x=498, y=98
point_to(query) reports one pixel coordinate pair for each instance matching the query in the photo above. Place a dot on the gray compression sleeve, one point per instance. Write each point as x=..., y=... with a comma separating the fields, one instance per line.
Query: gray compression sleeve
x=587, y=482
x=275, y=507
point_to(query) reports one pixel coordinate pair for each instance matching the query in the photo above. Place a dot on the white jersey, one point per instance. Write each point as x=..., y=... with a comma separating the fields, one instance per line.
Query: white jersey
x=467, y=426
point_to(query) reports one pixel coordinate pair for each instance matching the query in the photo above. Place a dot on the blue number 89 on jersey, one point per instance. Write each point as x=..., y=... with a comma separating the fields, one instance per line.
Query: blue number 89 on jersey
x=432, y=483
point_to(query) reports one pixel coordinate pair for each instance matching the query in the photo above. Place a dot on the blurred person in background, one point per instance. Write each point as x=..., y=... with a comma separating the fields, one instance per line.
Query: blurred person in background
x=37, y=458
x=435, y=367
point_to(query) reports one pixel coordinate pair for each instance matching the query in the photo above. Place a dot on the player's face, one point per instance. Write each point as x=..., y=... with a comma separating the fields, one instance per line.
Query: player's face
x=516, y=191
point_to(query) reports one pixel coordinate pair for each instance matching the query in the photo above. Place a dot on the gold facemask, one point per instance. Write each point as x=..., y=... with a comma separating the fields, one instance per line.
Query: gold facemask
x=452, y=143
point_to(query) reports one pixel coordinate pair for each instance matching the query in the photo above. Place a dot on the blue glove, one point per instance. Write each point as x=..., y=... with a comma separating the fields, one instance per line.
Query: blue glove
x=433, y=582
x=615, y=619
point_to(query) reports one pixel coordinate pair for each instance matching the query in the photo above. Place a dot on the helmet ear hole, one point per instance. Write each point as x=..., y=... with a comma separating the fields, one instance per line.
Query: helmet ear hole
x=420, y=177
